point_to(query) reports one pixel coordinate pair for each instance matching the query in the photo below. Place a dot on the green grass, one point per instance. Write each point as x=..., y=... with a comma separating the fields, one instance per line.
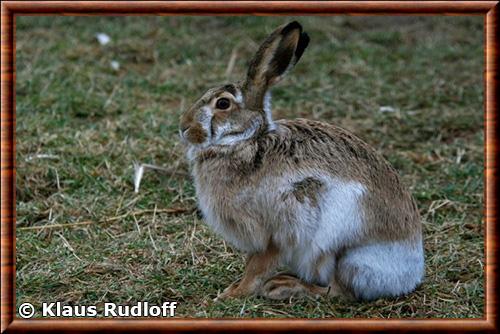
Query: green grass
x=95, y=122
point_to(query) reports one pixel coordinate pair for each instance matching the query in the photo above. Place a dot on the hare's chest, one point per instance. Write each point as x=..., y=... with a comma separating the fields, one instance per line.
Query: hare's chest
x=226, y=212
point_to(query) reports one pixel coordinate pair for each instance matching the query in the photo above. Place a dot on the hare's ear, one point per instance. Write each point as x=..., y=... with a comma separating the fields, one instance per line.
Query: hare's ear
x=275, y=57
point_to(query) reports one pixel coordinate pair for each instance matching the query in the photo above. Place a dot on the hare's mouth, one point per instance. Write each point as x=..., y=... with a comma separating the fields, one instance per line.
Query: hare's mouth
x=234, y=133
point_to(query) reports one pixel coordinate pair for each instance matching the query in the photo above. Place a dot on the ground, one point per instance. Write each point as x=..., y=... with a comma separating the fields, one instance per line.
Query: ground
x=409, y=86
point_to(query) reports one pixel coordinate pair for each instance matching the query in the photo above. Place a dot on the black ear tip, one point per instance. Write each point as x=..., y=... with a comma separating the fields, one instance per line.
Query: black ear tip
x=291, y=26
x=304, y=39
x=302, y=45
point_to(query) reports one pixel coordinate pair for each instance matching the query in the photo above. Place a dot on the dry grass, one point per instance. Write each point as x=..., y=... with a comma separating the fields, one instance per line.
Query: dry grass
x=81, y=125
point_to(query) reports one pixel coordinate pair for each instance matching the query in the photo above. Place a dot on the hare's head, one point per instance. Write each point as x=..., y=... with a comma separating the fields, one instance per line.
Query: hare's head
x=235, y=112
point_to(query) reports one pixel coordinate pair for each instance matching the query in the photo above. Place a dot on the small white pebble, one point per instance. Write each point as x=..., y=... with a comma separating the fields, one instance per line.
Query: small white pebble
x=115, y=65
x=103, y=38
x=386, y=109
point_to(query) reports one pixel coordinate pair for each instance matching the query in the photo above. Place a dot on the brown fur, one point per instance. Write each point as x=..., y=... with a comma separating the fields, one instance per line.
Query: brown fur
x=307, y=188
x=196, y=134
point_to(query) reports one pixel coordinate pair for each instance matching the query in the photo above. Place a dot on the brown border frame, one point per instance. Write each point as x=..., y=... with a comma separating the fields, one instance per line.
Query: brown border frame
x=9, y=9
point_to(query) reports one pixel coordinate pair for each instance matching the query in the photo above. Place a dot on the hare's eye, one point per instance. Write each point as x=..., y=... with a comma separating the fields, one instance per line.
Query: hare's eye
x=222, y=103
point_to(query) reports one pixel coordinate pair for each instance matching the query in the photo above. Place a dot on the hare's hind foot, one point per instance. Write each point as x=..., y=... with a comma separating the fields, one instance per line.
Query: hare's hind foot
x=285, y=286
x=231, y=291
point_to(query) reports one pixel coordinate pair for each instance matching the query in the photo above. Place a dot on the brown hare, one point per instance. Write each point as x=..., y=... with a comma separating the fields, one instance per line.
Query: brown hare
x=299, y=193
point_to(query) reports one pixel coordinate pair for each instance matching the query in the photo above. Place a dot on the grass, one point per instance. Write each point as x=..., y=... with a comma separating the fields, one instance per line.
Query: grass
x=94, y=122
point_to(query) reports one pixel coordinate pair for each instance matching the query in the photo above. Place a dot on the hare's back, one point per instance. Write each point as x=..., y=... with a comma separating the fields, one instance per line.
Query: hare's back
x=329, y=147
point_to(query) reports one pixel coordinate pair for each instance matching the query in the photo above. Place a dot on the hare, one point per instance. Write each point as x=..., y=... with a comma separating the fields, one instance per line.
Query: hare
x=300, y=194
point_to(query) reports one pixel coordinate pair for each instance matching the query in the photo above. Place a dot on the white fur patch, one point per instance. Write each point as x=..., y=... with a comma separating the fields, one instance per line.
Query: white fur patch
x=221, y=130
x=239, y=99
x=338, y=222
x=233, y=139
x=384, y=269
x=341, y=216
x=268, y=112
x=191, y=152
x=205, y=120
